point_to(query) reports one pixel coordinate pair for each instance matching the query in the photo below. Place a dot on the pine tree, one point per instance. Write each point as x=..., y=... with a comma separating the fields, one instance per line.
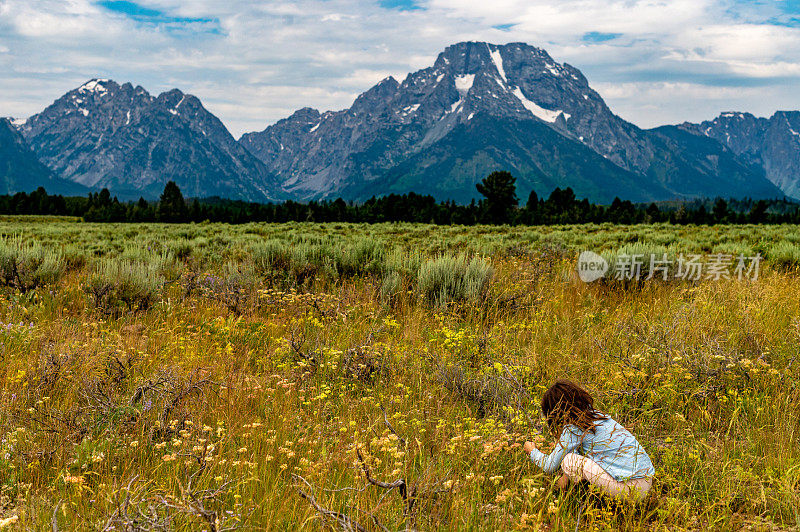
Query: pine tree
x=720, y=211
x=171, y=206
x=500, y=191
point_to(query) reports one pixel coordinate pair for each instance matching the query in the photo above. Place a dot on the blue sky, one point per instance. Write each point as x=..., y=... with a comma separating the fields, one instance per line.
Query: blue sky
x=255, y=62
x=157, y=18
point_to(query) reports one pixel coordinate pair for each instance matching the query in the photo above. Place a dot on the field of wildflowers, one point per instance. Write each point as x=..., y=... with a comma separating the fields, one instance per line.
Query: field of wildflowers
x=385, y=377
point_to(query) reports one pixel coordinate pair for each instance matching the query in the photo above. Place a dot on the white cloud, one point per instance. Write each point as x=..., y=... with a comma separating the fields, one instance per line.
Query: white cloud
x=268, y=58
x=739, y=42
x=554, y=20
x=661, y=103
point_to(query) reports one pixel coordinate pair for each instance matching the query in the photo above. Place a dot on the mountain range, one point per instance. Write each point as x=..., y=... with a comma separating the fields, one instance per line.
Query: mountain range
x=106, y=135
x=480, y=107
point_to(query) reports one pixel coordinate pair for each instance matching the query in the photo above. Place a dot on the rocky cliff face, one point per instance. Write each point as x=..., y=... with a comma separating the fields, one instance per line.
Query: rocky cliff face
x=103, y=134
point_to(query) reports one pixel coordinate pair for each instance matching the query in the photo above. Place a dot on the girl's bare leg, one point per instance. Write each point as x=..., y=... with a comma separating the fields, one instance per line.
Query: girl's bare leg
x=577, y=468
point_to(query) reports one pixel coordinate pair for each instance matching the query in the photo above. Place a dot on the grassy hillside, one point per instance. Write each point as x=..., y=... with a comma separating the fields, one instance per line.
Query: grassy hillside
x=285, y=377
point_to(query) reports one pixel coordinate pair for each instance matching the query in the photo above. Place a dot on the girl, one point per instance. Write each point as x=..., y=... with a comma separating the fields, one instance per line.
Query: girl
x=592, y=446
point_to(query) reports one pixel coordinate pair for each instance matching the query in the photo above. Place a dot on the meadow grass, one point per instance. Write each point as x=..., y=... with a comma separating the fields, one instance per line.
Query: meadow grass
x=218, y=377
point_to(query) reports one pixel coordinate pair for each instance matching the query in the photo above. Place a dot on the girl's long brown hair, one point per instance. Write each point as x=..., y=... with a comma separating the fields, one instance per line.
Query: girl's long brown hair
x=566, y=403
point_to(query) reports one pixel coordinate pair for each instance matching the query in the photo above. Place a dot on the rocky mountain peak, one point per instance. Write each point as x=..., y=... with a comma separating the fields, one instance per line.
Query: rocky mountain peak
x=376, y=97
x=98, y=86
x=306, y=114
x=17, y=123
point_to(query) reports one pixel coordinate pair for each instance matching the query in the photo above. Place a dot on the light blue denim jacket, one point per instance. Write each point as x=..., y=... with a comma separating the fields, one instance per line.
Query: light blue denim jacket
x=612, y=446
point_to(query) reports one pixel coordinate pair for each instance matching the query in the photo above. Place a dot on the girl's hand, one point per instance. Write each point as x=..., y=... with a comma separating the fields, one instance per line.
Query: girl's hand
x=529, y=446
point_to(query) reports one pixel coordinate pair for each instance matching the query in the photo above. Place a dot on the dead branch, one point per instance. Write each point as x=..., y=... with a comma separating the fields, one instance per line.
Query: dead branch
x=345, y=522
x=391, y=428
x=409, y=496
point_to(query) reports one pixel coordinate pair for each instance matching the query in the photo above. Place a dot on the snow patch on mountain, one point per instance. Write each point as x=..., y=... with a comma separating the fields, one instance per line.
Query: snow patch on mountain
x=95, y=85
x=410, y=109
x=789, y=126
x=537, y=111
x=464, y=83
x=553, y=70
x=498, y=63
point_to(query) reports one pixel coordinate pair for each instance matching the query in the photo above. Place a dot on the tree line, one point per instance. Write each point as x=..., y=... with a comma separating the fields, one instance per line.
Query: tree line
x=499, y=205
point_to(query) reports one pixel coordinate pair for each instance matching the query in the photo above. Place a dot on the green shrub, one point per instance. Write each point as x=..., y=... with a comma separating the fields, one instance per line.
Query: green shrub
x=158, y=257
x=26, y=266
x=784, y=254
x=296, y=262
x=74, y=257
x=118, y=286
x=181, y=248
x=270, y=257
x=240, y=274
x=391, y=287
x=626, y=260
x=235, y=287
x=735, y=249
x=363, y=256
x=309, y=260
x=404, y=263
x=450, y=279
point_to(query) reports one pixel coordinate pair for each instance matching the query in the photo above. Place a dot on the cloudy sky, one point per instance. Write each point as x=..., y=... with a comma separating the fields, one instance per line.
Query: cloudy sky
x=253, y=62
